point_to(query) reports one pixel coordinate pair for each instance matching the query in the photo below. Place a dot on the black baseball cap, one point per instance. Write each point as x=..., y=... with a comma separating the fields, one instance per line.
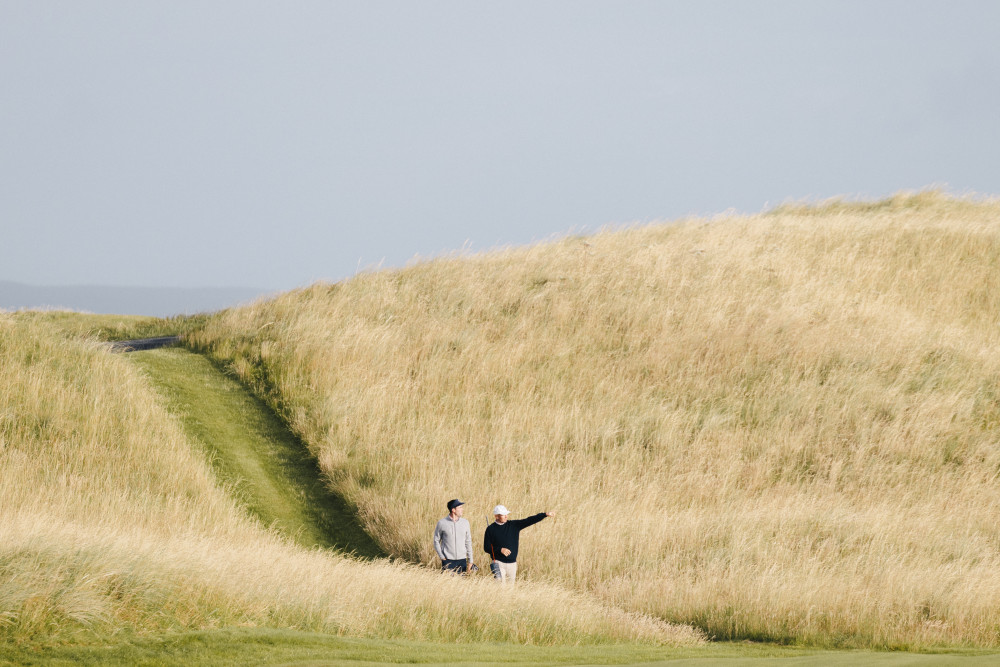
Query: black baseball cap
x=452, y=504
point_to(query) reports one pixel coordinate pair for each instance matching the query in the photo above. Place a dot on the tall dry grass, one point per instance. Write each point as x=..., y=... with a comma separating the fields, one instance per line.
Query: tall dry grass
x=112, y=521
x=777, y=426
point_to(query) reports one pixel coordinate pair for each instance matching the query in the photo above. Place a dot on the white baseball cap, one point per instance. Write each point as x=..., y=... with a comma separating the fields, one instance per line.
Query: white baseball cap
x=500, y=509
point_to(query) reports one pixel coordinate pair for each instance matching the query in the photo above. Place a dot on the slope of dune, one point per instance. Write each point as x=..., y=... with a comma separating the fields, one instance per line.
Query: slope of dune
x=780, y=426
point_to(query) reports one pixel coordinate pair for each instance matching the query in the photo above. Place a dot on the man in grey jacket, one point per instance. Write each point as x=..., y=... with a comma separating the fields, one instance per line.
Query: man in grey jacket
x=453, y=540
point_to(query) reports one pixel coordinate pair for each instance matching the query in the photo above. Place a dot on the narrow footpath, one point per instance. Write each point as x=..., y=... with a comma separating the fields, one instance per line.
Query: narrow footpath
x=256, y=457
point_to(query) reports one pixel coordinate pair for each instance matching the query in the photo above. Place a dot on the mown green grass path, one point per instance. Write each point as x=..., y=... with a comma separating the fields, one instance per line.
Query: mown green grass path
x=242, y=646
x=268, y=469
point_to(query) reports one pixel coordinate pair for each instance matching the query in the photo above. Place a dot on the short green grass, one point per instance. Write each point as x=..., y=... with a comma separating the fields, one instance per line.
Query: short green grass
x=269, y=470
x=244, y=646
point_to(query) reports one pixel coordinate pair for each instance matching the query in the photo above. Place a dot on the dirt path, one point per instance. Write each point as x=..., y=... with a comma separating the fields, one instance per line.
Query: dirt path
x=269, y=470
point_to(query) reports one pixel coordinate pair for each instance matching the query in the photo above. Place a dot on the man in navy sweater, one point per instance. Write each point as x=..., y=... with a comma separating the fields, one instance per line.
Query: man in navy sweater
x=501, y=539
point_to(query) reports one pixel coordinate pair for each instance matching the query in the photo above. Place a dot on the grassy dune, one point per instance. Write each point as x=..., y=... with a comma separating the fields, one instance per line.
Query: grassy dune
x=114, y=526
x=782, y=426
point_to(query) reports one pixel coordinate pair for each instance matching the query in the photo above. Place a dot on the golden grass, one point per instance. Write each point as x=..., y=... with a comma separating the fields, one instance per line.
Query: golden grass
x=112, y=522
x=777, y=426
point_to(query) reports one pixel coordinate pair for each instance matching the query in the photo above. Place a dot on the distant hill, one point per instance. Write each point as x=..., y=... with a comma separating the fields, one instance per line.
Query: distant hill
x=154, y=301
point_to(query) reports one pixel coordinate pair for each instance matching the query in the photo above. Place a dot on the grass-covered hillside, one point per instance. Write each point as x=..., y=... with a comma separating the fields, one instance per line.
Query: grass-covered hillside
x=782, y=426
x=115, y=526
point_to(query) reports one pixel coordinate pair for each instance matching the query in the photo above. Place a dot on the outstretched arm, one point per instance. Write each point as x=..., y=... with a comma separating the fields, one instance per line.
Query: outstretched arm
x=529, y=521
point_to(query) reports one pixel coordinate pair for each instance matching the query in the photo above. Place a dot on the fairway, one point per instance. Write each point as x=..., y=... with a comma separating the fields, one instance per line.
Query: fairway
x=284, y=647
x=263, y=464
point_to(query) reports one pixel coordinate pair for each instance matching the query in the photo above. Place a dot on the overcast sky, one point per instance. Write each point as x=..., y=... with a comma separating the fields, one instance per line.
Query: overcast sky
x=272, y=144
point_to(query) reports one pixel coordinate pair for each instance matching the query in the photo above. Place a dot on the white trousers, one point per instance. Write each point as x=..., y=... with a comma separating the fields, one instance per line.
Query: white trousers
x=508, y=571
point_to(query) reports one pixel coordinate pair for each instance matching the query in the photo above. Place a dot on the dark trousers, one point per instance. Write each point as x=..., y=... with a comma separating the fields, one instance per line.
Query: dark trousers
x=460, y=566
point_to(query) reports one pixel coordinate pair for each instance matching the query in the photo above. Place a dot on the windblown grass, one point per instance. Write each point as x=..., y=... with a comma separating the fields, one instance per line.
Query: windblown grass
x=781, y=427
x=113, y=523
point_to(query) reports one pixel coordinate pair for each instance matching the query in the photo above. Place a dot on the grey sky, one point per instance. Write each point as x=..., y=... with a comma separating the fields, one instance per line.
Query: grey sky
x=271, y=144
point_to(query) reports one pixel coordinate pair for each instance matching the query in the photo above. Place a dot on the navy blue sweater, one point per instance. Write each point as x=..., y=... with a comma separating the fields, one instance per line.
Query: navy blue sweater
x=505, y=536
